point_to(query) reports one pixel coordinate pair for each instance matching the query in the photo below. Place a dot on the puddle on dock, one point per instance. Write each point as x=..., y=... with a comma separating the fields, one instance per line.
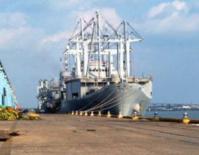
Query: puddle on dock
x=6, y=135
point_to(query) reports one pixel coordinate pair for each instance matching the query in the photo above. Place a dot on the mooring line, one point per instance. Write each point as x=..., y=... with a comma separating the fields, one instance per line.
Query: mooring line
x=98, y=97
x=101, y=102
x=111, y=101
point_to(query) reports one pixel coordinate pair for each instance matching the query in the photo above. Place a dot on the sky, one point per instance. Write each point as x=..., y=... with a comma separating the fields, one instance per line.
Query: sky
x=33, y=36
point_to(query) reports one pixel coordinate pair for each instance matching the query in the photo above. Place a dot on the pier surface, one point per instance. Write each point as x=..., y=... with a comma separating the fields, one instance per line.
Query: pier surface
x=66, y=134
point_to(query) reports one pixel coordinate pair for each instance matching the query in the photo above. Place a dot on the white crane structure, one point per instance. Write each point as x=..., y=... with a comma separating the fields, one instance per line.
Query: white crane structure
x=99, y=50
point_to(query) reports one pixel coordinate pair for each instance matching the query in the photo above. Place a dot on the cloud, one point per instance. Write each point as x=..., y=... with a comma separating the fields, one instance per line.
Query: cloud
x=60, y=4
x=109, y=13
x=58, y=37
x=10, y=35
x=170, y=18
x=168, y=8
x=67, y=4
x=12, y=19
x=25, y=58
x=13, y=27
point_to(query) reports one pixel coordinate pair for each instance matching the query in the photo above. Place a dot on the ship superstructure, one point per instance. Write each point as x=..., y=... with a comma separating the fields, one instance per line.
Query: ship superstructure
x=100, y=50
x=97, y=69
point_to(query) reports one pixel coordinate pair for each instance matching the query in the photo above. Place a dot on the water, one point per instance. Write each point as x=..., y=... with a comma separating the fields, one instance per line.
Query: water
x=193, y=114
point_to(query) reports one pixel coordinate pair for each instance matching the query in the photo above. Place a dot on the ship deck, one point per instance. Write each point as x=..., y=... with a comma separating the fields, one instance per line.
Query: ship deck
x=104, y=80
x=67, y=134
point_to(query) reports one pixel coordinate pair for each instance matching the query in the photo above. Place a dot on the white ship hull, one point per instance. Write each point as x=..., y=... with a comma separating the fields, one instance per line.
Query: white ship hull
x=121, y=98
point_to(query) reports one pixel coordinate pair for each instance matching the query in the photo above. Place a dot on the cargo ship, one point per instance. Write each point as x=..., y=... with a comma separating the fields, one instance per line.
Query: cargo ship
x=97, y=72
x=7, y=93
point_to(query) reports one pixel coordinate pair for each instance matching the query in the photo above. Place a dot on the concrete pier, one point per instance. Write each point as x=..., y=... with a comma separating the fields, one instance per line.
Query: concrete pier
x=67, y=134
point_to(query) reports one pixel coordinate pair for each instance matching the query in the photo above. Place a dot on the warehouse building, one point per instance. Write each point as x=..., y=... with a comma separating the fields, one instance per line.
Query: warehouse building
x=7, y=95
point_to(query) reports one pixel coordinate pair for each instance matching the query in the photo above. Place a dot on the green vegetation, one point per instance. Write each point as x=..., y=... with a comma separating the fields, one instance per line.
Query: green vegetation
x=11, y=114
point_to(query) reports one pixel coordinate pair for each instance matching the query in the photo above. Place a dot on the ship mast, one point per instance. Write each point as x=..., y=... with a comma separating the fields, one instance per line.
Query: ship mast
x=99, y=43
x=98, y=48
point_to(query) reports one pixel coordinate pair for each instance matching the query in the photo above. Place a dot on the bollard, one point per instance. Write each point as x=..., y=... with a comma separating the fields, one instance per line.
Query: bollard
x=99, y=113
x=135, y=116
x=120, y=115
x=76, y=113
x=86, y=113
x=108, y=114
x=72, y=113
x=81, y=113
x=186, y=119
x=92, y=114
x=156, y=117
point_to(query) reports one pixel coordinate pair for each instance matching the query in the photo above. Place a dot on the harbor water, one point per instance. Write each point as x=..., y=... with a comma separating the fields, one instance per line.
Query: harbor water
x=193, y=114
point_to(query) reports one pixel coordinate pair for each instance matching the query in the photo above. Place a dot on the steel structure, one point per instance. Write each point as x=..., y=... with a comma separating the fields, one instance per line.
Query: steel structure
x=99, y=41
